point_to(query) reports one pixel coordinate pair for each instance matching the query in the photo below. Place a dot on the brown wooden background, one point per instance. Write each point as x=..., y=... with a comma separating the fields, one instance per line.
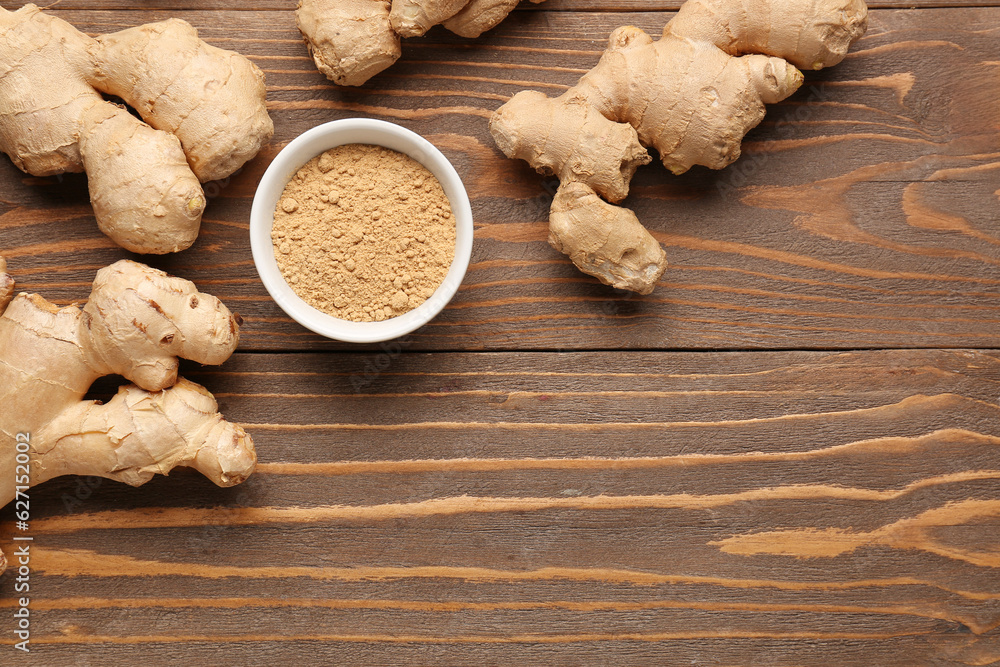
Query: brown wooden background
x=786, y=455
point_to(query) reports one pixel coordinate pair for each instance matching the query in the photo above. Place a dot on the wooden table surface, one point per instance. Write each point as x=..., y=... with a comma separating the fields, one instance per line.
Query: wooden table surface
x=788, y=454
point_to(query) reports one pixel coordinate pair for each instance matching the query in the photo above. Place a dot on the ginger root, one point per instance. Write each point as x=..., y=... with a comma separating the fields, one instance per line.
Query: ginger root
x=353, y=40
x=692, y=95
x=205, y=107
x=137, y=322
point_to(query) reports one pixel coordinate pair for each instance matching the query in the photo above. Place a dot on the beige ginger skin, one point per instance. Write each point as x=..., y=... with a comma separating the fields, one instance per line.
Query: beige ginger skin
x=692, y=95
x=137, y=322
x=353, y=40
x=205, y=109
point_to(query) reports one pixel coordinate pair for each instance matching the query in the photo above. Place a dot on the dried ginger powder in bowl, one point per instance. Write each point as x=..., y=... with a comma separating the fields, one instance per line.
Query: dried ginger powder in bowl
x=363, y=233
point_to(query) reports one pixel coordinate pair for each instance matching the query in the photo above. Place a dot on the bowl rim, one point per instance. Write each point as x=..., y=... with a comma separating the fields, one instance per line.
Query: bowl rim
x=315, y=141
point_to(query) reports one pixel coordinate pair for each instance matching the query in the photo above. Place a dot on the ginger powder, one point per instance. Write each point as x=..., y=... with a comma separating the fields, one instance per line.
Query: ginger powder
x=363, y=233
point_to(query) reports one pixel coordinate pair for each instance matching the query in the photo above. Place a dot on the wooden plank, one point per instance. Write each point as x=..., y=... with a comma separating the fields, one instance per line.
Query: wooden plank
x=861, y=215
x=549, y=5
x=528, y=508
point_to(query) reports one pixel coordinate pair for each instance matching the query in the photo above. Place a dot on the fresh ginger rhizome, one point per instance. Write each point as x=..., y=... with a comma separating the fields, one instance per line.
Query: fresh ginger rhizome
x=692, y=95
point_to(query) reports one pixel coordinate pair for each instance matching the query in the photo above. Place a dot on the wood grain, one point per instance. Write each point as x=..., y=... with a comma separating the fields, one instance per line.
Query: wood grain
x=737, y=508
x=525, y=6
x=862, y=214
x=588, y=490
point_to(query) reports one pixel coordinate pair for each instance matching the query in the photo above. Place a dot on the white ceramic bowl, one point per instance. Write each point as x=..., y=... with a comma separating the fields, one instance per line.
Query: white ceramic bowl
x=304, y=148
